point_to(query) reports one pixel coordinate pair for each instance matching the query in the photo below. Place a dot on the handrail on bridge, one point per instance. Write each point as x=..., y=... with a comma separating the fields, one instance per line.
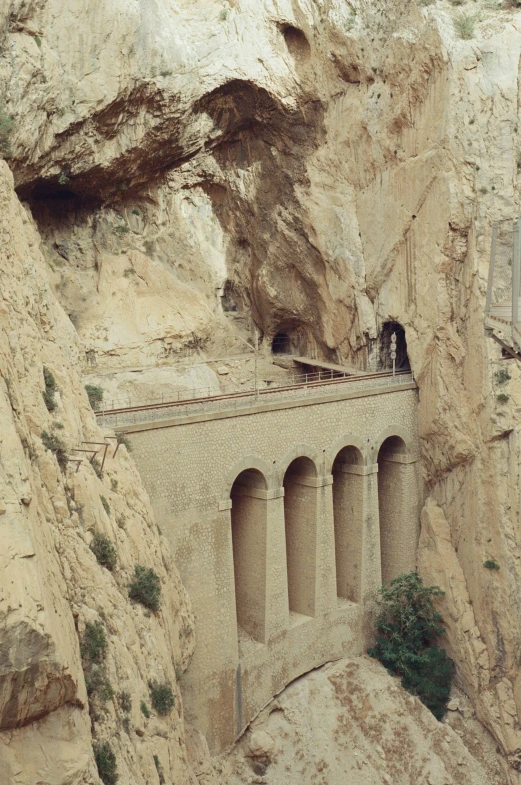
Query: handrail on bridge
x=189, y=398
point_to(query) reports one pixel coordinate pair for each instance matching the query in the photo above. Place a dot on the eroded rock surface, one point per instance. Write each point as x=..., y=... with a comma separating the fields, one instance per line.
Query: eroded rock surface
x=190, y=170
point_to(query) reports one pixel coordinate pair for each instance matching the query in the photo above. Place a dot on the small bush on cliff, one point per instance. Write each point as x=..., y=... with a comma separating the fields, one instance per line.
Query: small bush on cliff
x=51, y=441
x=6, y=127
x=490, y=564
x=95, y=395
x=464, y=25
x=50, y=390
x=106, y=763
x=104, y=551
x=94, y=643
x=146, y=587
x=162, y=697
x=405, y=628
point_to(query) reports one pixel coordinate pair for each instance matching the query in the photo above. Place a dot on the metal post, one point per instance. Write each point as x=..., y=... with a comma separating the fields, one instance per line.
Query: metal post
x=256, y=356
x=491, y=266
x=516, y=275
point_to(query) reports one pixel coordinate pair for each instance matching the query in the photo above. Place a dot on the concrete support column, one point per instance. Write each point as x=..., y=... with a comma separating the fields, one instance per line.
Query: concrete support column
x=277, y=616
x=326, y=598
x=212, y=674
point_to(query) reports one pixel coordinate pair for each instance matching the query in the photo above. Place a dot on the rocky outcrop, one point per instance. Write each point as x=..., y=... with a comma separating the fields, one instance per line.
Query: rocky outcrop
x=52, y=502
x=190, y=170
x=351, y=721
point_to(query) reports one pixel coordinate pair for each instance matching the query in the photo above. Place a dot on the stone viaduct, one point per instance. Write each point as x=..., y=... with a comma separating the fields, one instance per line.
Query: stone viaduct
x=284, y=518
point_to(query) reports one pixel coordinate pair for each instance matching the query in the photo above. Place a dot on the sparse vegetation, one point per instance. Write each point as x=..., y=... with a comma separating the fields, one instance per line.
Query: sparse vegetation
x=125, y=441
x=63, y=178
x=490, y=564
x=223, y=15
x=146, y=587
x=162, y=697
x=104, y=551
x=502, y=397
x=6, y=128
x=113, y=484
x=405, y=628
x=159, y=770
x=145, y=710
x=96, y=465
x=51, y=441
x=464, y=25
x=502, y=376
x=125, y=701
x=50, y=390
x=106, y=505
x=95, y=395
x=94, y=644
x=106, y=763
x=93, y=649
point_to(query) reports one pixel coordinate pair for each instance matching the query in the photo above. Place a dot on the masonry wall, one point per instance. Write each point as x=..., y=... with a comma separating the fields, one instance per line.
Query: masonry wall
x=189, y=469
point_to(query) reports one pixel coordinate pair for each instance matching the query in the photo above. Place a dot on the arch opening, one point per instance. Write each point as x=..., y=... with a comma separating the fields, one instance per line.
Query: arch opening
x=300, y=515
x=348, y=489
x=249, y=521
x=385, y=345
x=281, y=344
x=391, y=506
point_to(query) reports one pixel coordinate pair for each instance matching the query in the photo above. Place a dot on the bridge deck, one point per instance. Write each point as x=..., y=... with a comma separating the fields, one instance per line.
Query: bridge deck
x=236, y=403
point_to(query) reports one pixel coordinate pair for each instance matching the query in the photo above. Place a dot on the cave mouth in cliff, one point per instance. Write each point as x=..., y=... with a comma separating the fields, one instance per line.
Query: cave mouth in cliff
x=281, y=344
x=296, y=41
x=385, y=345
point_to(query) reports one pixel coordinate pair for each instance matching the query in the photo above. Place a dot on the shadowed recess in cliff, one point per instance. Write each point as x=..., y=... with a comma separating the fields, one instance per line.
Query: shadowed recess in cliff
x=262, y=154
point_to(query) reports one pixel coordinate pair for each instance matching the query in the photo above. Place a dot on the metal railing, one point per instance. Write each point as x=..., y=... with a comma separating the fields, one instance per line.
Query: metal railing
x=190, y=402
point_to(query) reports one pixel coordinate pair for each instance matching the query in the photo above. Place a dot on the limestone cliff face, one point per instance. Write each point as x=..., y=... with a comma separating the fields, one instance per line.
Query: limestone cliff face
x=327, y=166
x=52, y=585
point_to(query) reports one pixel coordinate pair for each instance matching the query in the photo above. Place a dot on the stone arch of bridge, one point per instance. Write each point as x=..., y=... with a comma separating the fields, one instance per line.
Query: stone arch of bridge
x=346, y=441
x=348, y=471
x=300, y=450
x=248, y=462
x=393, y=431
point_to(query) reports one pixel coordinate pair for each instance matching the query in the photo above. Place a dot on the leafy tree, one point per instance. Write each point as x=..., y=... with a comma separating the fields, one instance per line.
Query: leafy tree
x=405, y=628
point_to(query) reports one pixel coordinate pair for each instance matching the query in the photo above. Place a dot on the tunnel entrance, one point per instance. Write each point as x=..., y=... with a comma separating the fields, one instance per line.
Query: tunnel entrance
x=281, y=344
x=402, y=359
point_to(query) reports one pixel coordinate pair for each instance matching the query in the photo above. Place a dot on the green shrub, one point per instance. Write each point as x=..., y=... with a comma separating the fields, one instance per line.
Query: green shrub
x=53, y=443
x=405, y=628
x=431, y=680
x=6, y=128
x=50, y=390
x=162, y=697
x=490, y=564
x=159, y=770
x=94, y=644
x=106, y=763
x=502, y=397
x=104, y=551
x=125, y=701
x=502, y=376
x=145, y=710
x=125, y=441
x=106, y=505
x=146, y=587
x=464, y=25
x=95, y=395
x=96, y=465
